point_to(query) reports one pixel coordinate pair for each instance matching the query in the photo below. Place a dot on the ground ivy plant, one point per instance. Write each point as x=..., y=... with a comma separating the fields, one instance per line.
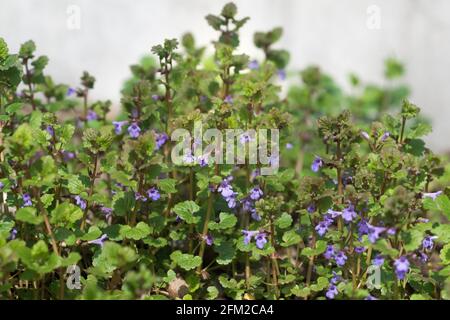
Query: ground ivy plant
x=96, y=208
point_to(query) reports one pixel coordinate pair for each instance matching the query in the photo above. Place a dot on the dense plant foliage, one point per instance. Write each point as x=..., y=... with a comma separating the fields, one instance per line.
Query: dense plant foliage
x=356, y=210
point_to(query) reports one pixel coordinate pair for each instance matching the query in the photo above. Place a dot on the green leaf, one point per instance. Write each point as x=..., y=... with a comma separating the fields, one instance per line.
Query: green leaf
x=185, y=210
x=156, y=243
x=185, y=261
x=168, y=185
x=284, y=221
x=227, y=221
x=66, y=213
x=140, y=231
x=229, y=10
x=213, y=293
x=445, y=254
x=114, y=256
x=14, y=107
x=75, y=185
x=3, y=49
x=319, y=249
x=412, y=239
x=72, y=259
x=124, y=204
x=290, y=238
x=47, y=199
x=419, y=130
x=226, y=251
x=28, y=214
x=93, y=233
x=441, y=203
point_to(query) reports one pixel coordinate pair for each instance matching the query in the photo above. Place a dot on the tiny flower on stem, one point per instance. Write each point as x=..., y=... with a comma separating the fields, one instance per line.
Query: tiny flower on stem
x=134, y=130
x=432, y=195
x=118, y=126
x=153, y=194
x=316, y=164
x=100, y=241
x=401, y=267
x=26, y=198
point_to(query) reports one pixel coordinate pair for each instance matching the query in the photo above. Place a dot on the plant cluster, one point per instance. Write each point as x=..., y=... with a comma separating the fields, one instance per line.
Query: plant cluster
x=96, y=209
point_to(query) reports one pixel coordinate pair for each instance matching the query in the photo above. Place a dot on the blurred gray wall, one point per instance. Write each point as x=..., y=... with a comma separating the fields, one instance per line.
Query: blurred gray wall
x=342, y=36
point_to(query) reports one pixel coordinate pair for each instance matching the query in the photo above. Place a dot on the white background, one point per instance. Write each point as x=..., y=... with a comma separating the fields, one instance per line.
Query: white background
x=333, y=34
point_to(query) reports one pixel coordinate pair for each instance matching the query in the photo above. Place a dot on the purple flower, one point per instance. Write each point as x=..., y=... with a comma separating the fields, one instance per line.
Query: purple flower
x=188, y=158
x=340, y=258
x=255, y=173
x=261, y=240
x=228, y=99
x=374, y=232
x=1, y=185
x=153, y=194
x=329, y=252
x=289, y=146
x=225, y=189
x=332, y=292
x=281, y=74
x=139, y=197
x=369, y=297
x=365, y=135
x=360, y=250
x=70, y=91
x=322, y=228
x=118, y=126
x=427, y=242
x=432, y=195
x=423, y=257
x=316, y=164
x=203, y=160
x=255, y=216
x=256, y=193
x=363, y=227
x=67, y=155
x=134, y=130
x=334, y=213
x=91, y=115
x=247, y=205
x=245, y=138
x=208, y=239
x=231, y=201
x=50, y=130
x=253, y=65
x=12, y=234
x=100, y=241
x=348, y=214
x=80, y=202
x=391, y=231
x=161, y=139
x=107, y=211
x=26, y=198
x=328, y=220
x=385, y=136
x=311, y=208
x=378, y=260
x=401, y=267
x=248, y=235
x=155, y=97
x=335, y=278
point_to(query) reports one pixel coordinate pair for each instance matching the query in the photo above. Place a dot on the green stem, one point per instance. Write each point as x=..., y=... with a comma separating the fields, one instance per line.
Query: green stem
x=91, y=190
x=205, y=229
